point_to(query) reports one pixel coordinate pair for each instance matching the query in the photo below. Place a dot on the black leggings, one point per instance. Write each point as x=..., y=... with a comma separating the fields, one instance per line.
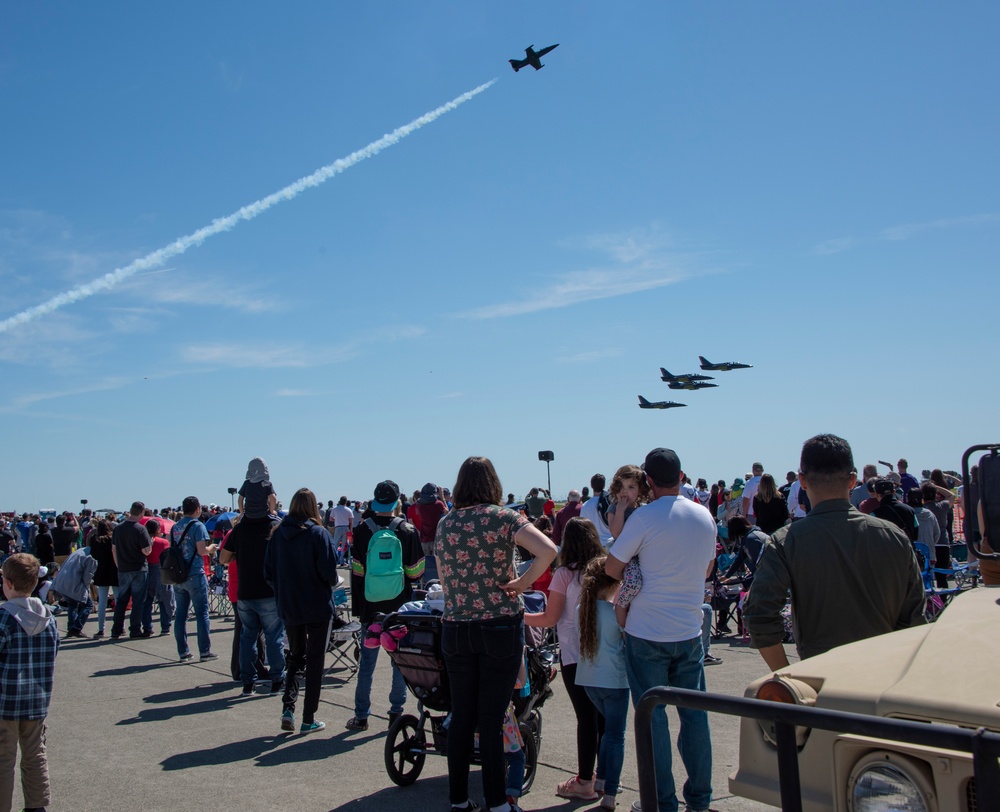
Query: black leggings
x=589, y=724
x=306, y=651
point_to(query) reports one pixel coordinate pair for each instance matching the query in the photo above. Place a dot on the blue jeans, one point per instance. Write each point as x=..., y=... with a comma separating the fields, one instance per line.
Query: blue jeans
x=255, y=615
x=363, y=690
x=676, y=665
x=706, y=627
x=163, y=594
x=77, y=613
x=130, y=584
x=194, y=591
x=612, y=704
x=482, y=658
x=515, y=772
x=102, y=606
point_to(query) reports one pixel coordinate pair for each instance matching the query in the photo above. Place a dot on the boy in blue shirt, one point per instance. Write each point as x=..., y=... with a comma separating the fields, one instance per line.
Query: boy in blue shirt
x=29, y=640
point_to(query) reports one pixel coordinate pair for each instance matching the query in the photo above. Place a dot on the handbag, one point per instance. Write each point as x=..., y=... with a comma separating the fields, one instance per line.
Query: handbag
x=173, y=568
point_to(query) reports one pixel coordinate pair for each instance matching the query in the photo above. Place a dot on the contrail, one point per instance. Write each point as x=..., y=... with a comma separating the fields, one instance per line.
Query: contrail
x=182, y=244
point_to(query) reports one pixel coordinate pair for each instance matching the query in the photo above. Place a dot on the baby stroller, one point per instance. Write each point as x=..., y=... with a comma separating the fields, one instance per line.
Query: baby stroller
x=418, y=658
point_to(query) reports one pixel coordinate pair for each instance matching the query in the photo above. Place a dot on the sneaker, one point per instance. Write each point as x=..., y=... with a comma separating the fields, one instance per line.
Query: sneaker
x=577, y=790
x=393, y=717
x=608, y=802
x=247, y=689
x=98, y=634
x=208, y=657
x=599, y=786
x=472, y=807
x=711, y=659
x=357, y=723
x=311, y=727
x=288, y=720
x=636, y=807
x=164, y=631
x=186, y=658
x=263, y=687
x=116, y=636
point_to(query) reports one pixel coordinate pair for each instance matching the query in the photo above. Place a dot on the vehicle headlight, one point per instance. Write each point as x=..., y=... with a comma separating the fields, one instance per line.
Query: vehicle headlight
x=889, y=782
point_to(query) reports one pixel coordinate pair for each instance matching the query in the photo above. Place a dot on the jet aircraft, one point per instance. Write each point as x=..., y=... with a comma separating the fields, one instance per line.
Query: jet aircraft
x=686, y=378
x=725, y=366
x=532, y=57
x=660, y=404
x=692, y=385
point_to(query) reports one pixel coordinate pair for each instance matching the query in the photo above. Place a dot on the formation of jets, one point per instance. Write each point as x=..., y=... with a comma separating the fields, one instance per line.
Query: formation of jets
x=690, y=381
x=531, y=57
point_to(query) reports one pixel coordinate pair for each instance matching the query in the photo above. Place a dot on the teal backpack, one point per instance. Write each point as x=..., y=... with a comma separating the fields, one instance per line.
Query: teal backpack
x=384, y=562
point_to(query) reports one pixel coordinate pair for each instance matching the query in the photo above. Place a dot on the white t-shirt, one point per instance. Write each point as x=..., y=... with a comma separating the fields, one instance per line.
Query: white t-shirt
x=589, y=511
x=675, y=541
x=793, y=501
x=343, y=516
x=567, y=582
x=749, y=492
x=688, y=492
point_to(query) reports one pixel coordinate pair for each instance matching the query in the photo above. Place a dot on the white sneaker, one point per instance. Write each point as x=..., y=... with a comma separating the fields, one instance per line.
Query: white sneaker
x=608, y=802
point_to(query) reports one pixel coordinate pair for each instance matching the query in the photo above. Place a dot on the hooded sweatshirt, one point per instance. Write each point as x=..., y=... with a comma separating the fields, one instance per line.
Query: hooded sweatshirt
x=76, y=575
x=29, y=640
x=301, y=566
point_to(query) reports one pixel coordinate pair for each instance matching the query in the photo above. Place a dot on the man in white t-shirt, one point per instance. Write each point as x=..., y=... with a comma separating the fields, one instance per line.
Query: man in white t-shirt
x=342, y=518
x=596, y=508
x=750, y=491
x=674, y=539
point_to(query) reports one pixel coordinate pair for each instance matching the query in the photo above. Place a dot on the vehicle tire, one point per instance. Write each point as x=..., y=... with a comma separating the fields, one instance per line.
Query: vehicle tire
x=405, y=750
x=531, y=746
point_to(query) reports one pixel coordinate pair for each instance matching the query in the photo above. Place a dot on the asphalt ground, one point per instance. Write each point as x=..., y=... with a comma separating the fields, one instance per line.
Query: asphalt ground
x=130, y=727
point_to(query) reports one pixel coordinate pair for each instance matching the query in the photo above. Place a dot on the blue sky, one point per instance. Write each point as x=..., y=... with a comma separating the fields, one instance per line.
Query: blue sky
x=808, y=189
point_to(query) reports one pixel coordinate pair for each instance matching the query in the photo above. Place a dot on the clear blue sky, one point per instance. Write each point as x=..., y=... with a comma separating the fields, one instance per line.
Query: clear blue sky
x=810, y=189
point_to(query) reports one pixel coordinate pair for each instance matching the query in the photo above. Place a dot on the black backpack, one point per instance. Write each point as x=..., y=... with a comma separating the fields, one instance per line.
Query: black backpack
x=173, y=568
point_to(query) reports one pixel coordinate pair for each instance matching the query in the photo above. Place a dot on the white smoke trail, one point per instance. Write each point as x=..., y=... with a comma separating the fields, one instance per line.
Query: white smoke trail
x=182, y=244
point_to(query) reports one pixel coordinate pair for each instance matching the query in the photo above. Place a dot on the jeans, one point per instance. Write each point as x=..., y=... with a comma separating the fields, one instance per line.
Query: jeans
x=257, y=615
x=102, y=606
x=234, y=659
x=363, y=690
x=130, y=584
x=612, y=704
x=163, y=594
x=340, y=543
x=515, y=772
x=193, y=592
x=706, y=627
x=676, y=665
x=306, y=651
x=483, y=659
x=77, y=613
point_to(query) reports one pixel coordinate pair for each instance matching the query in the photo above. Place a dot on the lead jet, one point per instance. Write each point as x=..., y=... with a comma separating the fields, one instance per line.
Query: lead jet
x=660, y=404
x=692, y=385
x=686, y=378
x=532, y=57
x=725, y=366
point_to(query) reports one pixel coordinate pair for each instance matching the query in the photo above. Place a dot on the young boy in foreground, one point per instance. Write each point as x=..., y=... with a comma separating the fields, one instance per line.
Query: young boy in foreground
x=29, y=640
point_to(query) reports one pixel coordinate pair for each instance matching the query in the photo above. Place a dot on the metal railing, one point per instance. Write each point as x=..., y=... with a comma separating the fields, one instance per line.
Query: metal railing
x=984, y=745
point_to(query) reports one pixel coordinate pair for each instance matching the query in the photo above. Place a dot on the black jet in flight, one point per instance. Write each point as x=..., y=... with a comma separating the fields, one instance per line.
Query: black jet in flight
x=686, y=378
x=660, y=404
x=532, y=57
x=692, y=385
x=725, y=366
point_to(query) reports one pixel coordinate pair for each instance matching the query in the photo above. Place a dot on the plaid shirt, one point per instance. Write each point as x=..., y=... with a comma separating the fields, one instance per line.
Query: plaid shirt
x=27, y=664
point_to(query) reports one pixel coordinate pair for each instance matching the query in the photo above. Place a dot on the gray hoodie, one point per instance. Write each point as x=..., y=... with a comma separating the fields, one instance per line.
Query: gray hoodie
x=31, y=613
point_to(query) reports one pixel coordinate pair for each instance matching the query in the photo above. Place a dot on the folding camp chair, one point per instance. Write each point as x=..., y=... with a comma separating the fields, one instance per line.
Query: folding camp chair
x=345, y=637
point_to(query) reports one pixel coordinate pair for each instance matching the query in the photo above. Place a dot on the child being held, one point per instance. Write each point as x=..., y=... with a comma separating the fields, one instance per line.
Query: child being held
x=629, y=490
x=257, y=498
x=29, y=640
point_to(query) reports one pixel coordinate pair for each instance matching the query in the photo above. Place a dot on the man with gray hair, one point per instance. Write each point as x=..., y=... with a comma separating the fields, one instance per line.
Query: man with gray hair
x=750, y=490
x=569, y=511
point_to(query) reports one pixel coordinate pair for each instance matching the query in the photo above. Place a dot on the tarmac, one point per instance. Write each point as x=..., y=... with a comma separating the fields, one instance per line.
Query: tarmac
x=130, y=727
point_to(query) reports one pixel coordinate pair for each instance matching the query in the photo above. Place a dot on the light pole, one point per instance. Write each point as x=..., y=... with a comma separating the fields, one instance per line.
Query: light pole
x=547, y=457
x=232, y=498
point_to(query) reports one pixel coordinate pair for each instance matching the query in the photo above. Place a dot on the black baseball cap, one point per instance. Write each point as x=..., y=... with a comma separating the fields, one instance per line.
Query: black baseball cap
x=386, y=496
x=663, y=466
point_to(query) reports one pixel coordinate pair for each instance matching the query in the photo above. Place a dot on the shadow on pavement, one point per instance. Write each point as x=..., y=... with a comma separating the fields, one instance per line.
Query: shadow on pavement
x=193, y=692
x=174, y=711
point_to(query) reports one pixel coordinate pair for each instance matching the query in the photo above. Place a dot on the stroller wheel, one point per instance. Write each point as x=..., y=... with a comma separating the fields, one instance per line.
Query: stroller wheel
x=530, y=754
x=405, y=750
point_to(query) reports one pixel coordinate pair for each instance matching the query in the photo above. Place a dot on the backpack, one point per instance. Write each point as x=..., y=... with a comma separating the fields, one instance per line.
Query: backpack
x=384, y=562
x=173, y=568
